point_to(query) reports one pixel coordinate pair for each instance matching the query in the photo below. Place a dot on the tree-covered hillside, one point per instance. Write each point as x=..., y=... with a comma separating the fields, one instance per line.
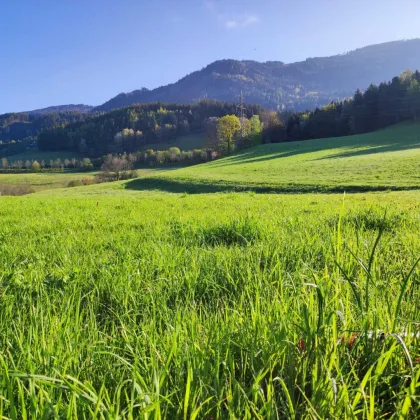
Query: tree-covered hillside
x=378, y=107
x=304, y=85
x=130, y=129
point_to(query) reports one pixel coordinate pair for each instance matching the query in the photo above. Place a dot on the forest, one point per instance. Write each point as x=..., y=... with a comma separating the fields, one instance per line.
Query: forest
x=128, y=129
x=378, y=107
x=27, y=125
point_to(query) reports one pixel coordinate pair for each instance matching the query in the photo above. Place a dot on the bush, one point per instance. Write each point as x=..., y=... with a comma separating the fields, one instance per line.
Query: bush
x=129, y=175
x=86, y=164
x=74, y=183
x=110, y=177
x=88, y=181
x=15, y=190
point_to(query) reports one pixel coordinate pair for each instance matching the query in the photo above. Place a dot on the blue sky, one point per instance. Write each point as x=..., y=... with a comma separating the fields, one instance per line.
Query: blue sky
x=86, y=51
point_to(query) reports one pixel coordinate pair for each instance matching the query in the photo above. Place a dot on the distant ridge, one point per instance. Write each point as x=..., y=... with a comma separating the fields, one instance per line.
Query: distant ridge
x=273, y=84
x=61, y=108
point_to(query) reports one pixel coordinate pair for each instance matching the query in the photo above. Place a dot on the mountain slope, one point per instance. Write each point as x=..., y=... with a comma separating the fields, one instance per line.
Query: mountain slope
x=385, y=159
x=302, y=85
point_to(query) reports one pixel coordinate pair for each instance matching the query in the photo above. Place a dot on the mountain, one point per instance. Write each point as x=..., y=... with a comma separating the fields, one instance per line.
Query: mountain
x=302, y=85
x=61, y=108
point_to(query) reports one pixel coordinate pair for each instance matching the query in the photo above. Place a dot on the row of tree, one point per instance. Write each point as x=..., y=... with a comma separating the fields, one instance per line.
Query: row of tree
x=53, y=164
x=376, y=108
x=149, y=157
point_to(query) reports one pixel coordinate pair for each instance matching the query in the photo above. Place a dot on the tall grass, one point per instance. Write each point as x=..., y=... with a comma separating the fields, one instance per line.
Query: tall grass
x=228, y=306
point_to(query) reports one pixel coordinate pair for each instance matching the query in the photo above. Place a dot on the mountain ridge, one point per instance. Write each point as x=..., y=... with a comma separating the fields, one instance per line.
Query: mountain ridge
x=305, y=84
x=60, y=108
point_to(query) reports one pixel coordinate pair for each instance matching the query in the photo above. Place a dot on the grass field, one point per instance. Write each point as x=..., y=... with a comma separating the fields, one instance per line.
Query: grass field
x=387, y=159
x=51, y=180
x=128, y=300
x=44, y=180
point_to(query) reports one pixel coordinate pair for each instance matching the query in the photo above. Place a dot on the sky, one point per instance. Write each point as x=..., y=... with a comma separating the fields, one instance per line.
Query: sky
x=57, y=52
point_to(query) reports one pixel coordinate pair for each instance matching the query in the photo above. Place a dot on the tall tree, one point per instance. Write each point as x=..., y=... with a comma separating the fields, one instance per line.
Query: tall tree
x=227, y=127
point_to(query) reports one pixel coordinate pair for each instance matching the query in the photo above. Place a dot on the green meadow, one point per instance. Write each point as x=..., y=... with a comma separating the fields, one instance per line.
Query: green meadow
x=382, y=160
x=282, y=282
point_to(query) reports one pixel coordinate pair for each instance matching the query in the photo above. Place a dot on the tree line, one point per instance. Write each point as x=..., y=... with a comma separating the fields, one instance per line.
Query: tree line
x=378, y=107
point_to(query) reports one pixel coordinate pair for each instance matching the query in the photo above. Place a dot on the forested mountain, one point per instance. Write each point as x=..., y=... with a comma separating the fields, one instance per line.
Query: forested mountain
x=60, y=109
x=304, y=85
x=21, y=125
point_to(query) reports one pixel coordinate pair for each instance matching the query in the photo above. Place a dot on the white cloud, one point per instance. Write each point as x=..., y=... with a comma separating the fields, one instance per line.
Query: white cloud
x=241, y=21
x=231, y=24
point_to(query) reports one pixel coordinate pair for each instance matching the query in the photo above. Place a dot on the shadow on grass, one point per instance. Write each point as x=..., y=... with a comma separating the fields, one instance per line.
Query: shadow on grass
x=205, y=187
x=261, y=155
x=373, y=149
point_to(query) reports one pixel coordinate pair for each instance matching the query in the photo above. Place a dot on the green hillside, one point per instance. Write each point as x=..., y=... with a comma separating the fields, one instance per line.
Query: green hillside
x=386, y=159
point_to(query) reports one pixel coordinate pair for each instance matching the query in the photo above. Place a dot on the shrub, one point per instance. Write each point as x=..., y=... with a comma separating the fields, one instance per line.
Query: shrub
x=15, y=190
x=74, y=183
x=86, y=164
x=88, y=181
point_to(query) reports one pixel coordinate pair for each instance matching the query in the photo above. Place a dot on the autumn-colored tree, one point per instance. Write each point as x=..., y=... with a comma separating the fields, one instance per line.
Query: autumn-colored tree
x=36, y=166
x=227, y=127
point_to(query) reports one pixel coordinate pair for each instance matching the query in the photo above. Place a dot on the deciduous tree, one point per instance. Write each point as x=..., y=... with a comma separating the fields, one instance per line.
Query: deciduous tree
x=227, y=127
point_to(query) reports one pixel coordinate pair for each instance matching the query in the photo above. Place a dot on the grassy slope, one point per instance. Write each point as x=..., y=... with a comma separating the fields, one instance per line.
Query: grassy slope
x=387, y=159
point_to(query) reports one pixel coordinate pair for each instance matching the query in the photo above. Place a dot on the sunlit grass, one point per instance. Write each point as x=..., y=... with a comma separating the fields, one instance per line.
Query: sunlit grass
x=386, y=159
x=130, y=305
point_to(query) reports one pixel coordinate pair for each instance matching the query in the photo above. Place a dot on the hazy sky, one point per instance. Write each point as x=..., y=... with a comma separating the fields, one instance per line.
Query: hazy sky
x=86, y=51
